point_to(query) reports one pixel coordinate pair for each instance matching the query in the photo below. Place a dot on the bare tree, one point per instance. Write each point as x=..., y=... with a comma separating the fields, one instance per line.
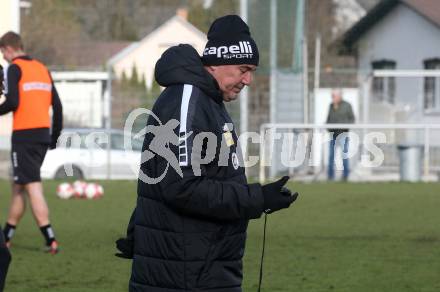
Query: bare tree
x=50, y=30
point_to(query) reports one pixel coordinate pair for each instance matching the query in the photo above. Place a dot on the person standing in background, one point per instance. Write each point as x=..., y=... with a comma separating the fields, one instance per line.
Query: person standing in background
x=340, y=112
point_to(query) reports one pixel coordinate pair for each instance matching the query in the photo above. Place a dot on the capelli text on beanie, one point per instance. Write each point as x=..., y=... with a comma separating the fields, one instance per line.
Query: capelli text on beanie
x=230, y=43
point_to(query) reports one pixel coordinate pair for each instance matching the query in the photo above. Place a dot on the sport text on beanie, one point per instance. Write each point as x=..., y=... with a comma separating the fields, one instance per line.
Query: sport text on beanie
x=230, y=43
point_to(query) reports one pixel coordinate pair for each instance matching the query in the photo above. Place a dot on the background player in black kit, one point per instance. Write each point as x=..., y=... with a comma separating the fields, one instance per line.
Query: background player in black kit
x=30, y=93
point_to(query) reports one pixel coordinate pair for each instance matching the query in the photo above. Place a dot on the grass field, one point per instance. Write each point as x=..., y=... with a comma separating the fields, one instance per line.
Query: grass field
x=337, y=237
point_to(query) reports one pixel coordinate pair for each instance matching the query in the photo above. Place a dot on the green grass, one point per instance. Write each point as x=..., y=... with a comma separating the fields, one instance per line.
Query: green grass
x=337, y=237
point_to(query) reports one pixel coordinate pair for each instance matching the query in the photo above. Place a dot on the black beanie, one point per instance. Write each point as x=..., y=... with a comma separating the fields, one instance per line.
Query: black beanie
x=230, y=43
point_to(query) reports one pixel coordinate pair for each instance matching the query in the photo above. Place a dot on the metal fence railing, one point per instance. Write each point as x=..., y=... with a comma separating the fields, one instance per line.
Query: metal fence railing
x=374, y=149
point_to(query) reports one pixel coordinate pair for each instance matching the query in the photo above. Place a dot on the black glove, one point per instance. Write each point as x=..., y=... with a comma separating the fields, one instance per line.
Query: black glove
x=277, y=197
x=125, y=246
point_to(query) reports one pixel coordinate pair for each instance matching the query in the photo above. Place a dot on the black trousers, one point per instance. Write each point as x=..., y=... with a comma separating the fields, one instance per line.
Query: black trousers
x=5, y=259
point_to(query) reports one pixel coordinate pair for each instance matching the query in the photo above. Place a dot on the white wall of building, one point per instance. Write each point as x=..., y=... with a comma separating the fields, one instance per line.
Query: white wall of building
x=83, y=97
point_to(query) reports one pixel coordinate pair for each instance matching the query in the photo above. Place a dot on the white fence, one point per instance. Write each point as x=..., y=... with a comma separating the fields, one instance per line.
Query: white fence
x=311, y=142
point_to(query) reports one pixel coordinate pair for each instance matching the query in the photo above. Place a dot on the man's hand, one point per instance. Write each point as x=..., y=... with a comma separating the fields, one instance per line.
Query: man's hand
x=125, y=246
x=276, y=196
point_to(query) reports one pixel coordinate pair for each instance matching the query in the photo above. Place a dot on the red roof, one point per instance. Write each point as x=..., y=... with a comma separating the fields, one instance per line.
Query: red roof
x=429, y=9
x=91, y=54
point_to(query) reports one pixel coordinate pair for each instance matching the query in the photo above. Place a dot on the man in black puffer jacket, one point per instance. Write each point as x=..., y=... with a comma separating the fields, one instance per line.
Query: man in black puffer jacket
x=5, y=259
x=188, y=230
